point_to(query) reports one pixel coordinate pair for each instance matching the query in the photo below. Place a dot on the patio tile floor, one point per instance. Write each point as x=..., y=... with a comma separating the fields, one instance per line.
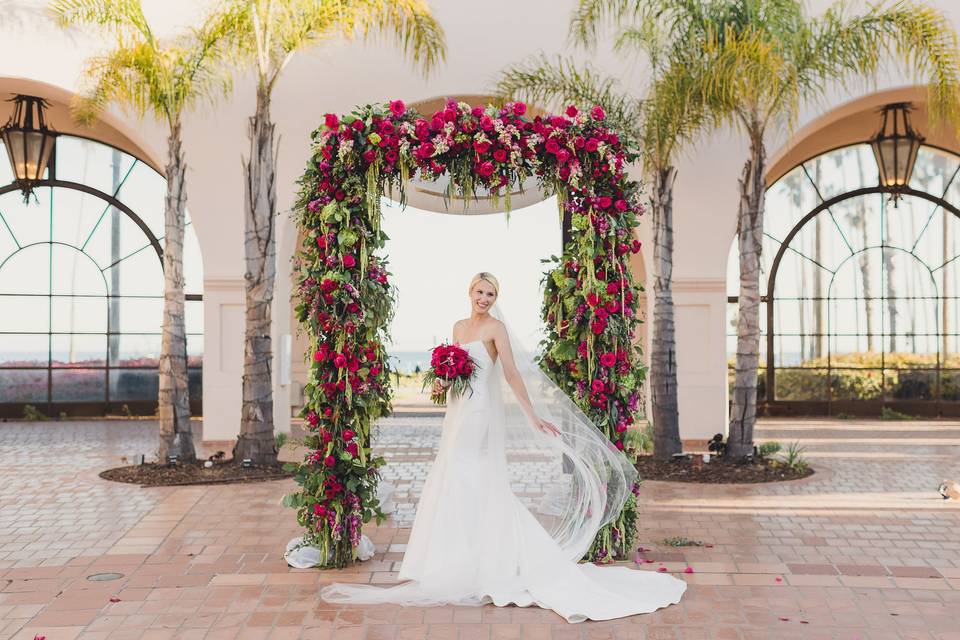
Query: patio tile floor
x=863, y=549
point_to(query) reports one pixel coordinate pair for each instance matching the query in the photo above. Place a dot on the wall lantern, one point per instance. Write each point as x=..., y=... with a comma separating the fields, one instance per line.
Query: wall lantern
x=895, y=148
x=29, y=141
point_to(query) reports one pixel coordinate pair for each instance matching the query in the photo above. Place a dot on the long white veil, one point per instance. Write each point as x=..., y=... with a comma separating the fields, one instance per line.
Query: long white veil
x=574, y=483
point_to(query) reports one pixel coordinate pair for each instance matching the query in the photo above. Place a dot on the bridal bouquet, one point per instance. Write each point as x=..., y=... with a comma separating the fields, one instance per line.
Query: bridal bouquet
x=453, y=367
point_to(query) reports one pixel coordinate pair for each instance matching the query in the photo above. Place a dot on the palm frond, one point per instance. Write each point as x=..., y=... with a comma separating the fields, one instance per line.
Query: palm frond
x=119, y=16
x=128, y=75
x=920, y=38
x=560, y=81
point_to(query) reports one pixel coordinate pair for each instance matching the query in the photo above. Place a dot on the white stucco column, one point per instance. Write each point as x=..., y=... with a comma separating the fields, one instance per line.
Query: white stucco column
x=700, y=312
x=223, y=320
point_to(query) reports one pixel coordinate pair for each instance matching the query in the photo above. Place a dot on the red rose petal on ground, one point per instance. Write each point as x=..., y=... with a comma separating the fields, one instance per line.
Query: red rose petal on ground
x=688, y=570
x=661, y=569
x=804, y=622
x=708, y=546
x=114, y=599
x=784, y=619
x=779, y=579
x=648, y=561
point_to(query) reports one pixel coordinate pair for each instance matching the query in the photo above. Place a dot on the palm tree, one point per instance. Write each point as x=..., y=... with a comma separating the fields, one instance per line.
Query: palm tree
x=267, y=33
x=767, y=56
x=664, y=122
x=164, y=78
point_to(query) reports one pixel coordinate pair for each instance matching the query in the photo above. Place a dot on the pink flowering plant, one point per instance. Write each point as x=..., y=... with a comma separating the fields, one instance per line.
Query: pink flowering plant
x=346, y=302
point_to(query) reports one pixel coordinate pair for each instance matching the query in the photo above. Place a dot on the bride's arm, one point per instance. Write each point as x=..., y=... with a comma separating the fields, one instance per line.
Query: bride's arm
x=515, y=380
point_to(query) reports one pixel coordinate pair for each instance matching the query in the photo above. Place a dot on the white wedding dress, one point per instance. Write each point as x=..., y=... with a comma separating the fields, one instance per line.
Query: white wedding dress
x=474, y=541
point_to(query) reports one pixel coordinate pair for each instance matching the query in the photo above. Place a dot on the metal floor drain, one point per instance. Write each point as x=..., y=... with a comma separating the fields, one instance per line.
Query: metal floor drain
x=103, y=577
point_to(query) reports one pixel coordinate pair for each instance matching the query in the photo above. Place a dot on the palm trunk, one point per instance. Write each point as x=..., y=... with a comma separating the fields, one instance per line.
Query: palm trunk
x=256, y=440
x=176, y=437
x=861, y=223
x=743, y=412
x=663, y=354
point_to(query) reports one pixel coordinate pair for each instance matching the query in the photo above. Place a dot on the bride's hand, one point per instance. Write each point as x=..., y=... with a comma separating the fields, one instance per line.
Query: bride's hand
x=438, y=387
x=546, y=427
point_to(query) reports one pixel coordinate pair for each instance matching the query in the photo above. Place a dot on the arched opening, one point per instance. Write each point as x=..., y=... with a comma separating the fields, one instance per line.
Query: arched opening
x=81, y=286
x=861, y=303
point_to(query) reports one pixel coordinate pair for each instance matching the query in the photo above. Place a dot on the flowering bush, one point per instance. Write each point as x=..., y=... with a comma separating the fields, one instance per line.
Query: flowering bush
x=346, y=302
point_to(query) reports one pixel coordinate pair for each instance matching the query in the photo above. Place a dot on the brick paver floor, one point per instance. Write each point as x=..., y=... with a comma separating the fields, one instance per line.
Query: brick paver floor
x=864, y=549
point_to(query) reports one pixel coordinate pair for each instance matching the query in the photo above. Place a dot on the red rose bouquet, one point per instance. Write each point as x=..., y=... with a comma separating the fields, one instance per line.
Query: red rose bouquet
x=452, y=365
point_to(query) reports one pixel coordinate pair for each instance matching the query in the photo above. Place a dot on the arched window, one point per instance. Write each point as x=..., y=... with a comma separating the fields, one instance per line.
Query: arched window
x=860, y=309
x=81, y=286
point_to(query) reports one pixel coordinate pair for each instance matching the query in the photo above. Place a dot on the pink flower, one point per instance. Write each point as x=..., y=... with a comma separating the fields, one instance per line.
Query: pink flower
x=331, y=121
x=572, y=111
x=397, y=107
x=349, y=261
x=597, y=113
x=519, y=108
x=329, y=461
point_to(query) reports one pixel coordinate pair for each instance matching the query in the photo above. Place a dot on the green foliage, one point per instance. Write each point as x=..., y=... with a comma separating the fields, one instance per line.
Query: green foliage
x=139, y=70
x=768, y=449
x=639, y=441
x=32, y=414
x=886, y=413
x=279, y=439
x=681, y=541
x=793, y=457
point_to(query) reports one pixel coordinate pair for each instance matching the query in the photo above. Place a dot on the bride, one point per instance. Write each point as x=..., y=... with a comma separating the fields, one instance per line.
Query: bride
x=520, y=486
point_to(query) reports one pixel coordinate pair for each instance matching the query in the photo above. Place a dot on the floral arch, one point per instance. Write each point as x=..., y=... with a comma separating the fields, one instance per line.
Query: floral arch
x=346, y=300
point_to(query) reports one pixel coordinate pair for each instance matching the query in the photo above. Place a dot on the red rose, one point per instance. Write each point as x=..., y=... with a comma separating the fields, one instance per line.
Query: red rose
x=591, y=145
x=620, y=205
x=612, y=287
x=608, y=359
x=375, y=369
x=422, y=129
x=331, y=121
x=326, y=436
x=340, y=361
x=519, y=108
x=340, y=194
x=313, y=419
x=593, y=299
x=635, y=247
x=597, y=113
x=485, y=170
x=357, y=125
x=605, y=202
x=370, y=155
x=597, y=385
x=619, y=444
x=612, y=306
x=329, y=461
x=481, y=147
x=349, y=261
x=353, y=449
x=486, y=123
x=500, y=155
x=597, y=326
x=348, y=434
x=318, y=356
x=572, y=111
x=552, y=146
x=397, y=107
x=391, y=156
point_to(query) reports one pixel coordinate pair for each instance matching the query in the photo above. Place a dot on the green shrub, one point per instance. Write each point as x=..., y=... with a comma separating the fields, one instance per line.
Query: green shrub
x=768, y=449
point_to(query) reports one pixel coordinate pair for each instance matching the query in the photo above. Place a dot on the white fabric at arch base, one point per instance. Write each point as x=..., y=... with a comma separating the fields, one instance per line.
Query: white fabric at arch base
x=507, y=512
x=301, y=555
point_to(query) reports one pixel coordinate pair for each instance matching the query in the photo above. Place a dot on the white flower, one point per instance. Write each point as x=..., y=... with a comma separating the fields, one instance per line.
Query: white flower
x=346, y=146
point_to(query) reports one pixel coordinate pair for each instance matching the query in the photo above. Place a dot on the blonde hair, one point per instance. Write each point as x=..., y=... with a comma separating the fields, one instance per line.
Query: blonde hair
x=486, y=276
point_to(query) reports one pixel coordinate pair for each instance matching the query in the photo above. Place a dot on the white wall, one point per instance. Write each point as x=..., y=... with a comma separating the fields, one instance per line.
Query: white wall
x=336, y=77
